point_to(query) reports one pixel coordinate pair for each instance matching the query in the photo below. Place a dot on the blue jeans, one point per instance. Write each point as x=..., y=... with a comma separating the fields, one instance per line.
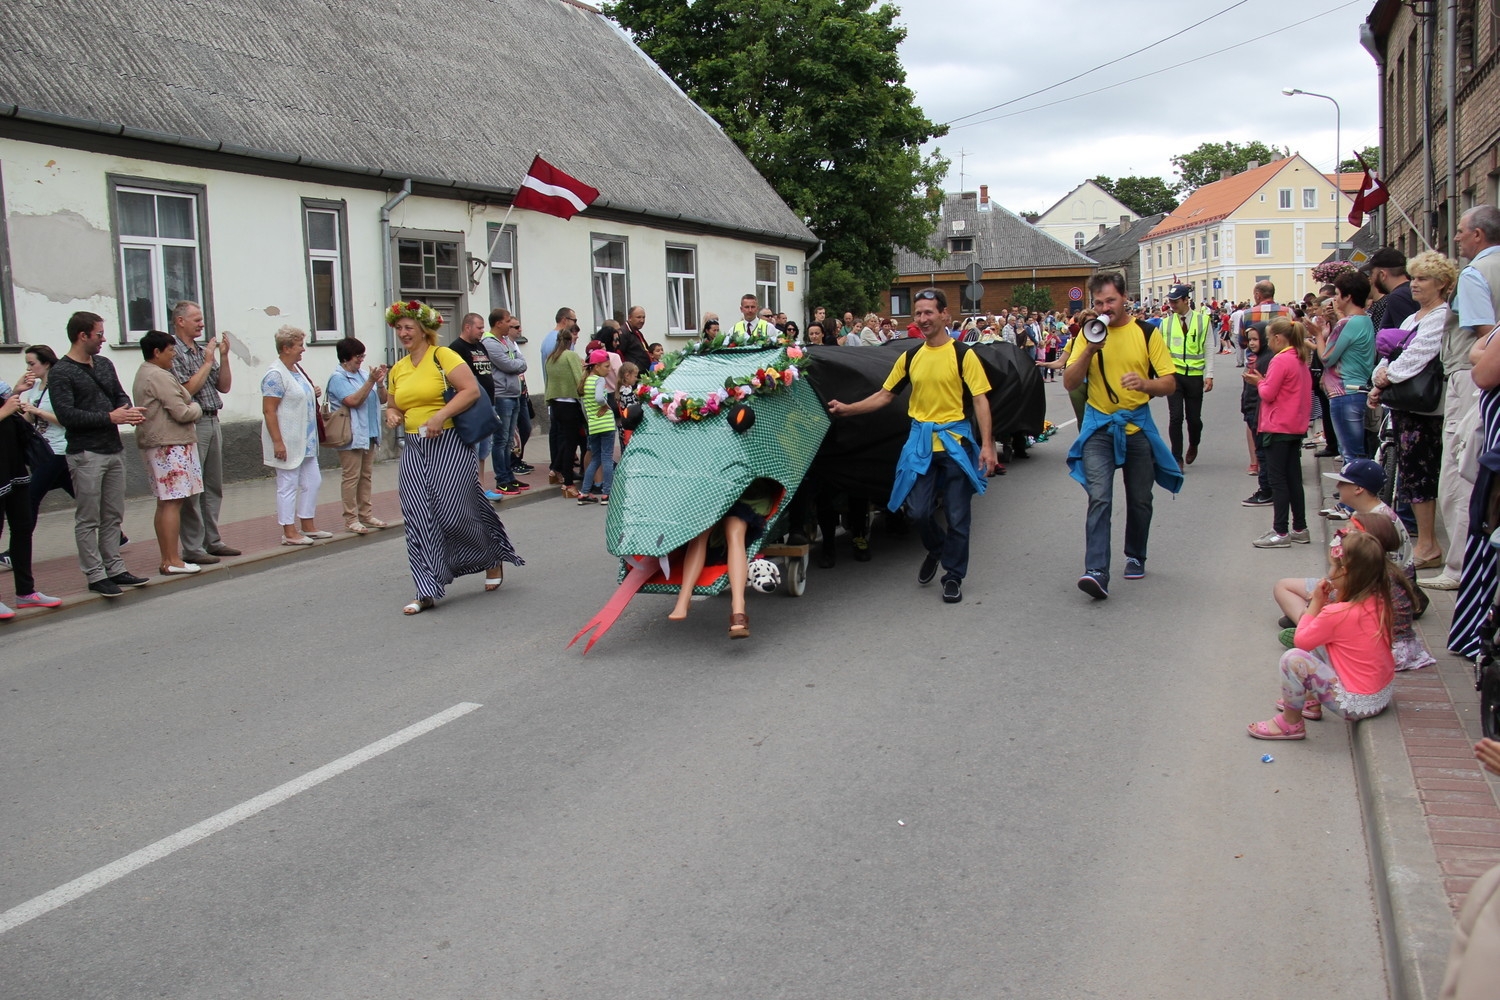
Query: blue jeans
x=944, y=479
x=505, y=409
x=1099, y=470
x=601, y=455
x=1349, y=423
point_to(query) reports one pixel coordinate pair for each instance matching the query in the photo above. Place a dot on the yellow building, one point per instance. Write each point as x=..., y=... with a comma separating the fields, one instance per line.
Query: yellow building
x=1266, y=223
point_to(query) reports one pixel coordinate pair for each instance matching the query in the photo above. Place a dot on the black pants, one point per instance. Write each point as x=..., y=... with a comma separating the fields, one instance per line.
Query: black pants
x=1283, y=465
x=564, y=435
x=1188, y=399
x=1330, y=431
x=15, y=507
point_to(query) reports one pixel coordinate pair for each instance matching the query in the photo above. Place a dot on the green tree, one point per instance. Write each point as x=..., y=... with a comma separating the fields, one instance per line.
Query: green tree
x=814, y=93
x=1142, y=195
x=837, y=288
x=1031, y=298
x=1372, y=160
x=1202, y=165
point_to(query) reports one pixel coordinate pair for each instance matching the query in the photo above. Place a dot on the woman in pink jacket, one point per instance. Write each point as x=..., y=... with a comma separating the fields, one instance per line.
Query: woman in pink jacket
x=1285, y=409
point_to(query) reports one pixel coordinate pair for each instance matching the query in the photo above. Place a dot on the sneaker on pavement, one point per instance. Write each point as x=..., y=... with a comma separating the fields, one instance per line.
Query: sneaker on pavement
x=953, y=591
x=1093, y=585
x=1335, y=513
x=1271, y=540
x=604, y=499
x=6, y=613
x=508, y=490
x=521, y=467
x=1287, y=637
x=518, y=486
x=1285, y=622
x=1135, y=569
x=129, y=580
x=1440, y=582
x=106, y=588
x=928, y=570
x=584, y=499
x=861, y=549
x=1257, y=499
x=38, y=600
x=493, y=495
x=5, y=560
x=1300, y=537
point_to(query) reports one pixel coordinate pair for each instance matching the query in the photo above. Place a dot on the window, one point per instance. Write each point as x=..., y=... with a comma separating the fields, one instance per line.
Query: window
x=1181, y=253
x=428, y=265
x=325, y=234
x=900, y=301
x=766, y=283
x=682, y=290
x=1310, y=198
x=1284, y=198
x=502, y=267
x=1203, y=246
x=960, y=244
x=1192, y=246
x=611, y=279
x=1262, y=243
x=8, y=334
x=158, y=230
x=1158, y=255
x=1078, y=241
x=1216, y=242
x=1169, y=254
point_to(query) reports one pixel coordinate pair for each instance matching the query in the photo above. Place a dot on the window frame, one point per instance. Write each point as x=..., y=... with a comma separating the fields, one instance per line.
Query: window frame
x=10, y=338
x=1310, y=191
x=1078, y=241
x=1258, y=251
x=343, y=305
x=507, y=272
x=1284, y=199
x=954, y=241
x=768, y=293
x=685, y=294
x=458, y=296
x=595, y=271
x=900, y=299
x=1215, y=235
x=155, y=186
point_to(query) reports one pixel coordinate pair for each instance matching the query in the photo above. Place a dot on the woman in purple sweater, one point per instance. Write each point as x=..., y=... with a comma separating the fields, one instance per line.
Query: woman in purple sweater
x=1285, y=409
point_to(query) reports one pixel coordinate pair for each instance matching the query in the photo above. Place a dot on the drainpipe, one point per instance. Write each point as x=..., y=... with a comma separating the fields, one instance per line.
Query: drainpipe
x=1367, y=39
x=390, y=262
x=807, y=285
x=1429, y=205
x=1450, y=75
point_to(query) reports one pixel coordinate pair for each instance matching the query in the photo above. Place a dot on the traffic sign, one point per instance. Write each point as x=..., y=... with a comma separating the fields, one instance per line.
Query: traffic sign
x=1346, y=245
x=975, y=291
x=975, y=272
x=1218, y=284
x=1075, y=294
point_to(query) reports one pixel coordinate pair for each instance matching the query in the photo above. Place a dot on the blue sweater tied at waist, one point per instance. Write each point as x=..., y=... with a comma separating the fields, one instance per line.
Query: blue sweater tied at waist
x=916, y=456
x=1168, y=472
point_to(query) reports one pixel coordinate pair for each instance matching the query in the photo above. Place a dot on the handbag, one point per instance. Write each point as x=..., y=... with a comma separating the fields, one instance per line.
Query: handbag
x=317, y=411
x=1423, y=393
x=338, y=426
x=473, y=424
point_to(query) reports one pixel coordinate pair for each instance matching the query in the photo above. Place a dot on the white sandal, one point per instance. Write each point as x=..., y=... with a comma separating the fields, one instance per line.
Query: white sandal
x=418, y=606
x=492, y=583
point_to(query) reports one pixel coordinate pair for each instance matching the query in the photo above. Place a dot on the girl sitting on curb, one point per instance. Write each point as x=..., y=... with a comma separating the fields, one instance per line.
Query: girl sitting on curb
x=1356, y=672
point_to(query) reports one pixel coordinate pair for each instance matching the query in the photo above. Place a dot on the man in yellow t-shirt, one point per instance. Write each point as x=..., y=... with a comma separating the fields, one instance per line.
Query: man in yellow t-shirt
x=940, y=458
x=1124, y=372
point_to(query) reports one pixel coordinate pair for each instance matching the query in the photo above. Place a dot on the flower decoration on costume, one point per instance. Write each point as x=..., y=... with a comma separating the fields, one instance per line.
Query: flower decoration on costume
x=776, y=377
x=423, y=313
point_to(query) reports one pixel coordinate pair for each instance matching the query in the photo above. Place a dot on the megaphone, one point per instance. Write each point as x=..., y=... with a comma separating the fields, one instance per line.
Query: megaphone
x=1095, y=330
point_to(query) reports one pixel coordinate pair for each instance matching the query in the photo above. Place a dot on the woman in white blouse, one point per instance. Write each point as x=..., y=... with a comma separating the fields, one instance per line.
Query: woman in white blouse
x=289, y=438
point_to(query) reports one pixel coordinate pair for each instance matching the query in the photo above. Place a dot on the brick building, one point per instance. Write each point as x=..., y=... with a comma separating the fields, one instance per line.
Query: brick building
x=1412, y=49
x=1012, y=252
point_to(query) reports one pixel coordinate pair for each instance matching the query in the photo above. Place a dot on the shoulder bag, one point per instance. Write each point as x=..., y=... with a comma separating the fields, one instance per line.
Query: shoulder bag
x=473, y=424
x=319, y=411
x=338, y=422
x=1424, y=393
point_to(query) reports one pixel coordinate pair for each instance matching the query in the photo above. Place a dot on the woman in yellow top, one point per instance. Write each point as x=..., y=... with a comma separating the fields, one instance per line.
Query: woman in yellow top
x=451, y=530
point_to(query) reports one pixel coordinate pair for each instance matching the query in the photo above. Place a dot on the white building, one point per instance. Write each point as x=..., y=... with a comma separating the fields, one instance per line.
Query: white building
x=1077, y=216
x=203, y=155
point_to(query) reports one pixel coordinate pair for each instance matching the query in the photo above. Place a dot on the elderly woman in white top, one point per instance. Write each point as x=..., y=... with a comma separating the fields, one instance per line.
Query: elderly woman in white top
x=362, y=390
x=1419, y=436
x=289, y=438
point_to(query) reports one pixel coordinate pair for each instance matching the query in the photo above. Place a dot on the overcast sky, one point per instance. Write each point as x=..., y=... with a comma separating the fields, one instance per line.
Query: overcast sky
x=965, y=55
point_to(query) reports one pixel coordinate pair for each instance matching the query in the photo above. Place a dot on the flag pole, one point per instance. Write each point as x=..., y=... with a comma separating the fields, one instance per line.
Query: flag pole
x=490, y=255
x=1402, y=212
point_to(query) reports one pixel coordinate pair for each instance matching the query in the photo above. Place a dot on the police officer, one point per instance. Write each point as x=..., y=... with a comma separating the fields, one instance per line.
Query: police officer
x=1188, y=333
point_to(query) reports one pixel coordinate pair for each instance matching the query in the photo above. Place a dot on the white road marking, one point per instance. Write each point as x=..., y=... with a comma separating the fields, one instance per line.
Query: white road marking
x=100, y=877
x=1066, y=423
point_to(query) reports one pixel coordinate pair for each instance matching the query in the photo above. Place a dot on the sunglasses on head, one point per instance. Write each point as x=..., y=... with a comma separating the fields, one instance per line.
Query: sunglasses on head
x=927, y=295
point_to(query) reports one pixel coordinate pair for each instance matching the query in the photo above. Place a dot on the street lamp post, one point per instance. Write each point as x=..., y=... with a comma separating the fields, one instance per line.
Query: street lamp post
x=1338, y=146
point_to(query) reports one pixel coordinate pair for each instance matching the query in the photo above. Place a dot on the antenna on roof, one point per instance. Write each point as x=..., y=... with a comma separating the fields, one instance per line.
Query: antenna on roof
x=961, y=155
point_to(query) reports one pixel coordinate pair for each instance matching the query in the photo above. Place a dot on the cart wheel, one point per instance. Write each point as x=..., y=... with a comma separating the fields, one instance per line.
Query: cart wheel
x=796, y=576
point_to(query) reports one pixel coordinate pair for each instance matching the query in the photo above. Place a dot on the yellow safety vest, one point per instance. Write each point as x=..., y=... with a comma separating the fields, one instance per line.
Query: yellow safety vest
x=1188, y=346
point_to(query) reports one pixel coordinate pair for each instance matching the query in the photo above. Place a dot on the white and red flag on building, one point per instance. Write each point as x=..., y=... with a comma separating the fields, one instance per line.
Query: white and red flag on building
x=548, y=189
x=1372, y=194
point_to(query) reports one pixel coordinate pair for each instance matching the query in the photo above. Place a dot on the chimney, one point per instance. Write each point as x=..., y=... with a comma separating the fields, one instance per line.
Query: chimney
x=984, y=194
x=1253, y=165
x=1225, y=174
x=1103, y=228
x=1124, y=220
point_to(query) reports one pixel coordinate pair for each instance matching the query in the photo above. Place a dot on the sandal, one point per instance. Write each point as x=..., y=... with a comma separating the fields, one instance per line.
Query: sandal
x=1312, y=711
x=1275, y=728
x=570, y=492
x=418, y=606
x=739, y=625
x=492, y=583
x=1253, y=470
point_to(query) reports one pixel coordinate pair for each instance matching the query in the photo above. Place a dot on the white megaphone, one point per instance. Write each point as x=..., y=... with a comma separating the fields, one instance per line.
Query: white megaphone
x=1095, y=330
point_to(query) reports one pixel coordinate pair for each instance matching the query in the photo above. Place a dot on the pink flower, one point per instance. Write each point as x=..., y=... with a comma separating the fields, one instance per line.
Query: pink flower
x=794, y=352
x=787, y=376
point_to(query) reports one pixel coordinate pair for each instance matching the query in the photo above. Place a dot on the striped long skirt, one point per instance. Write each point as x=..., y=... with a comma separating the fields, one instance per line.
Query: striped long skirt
x=1476, y=589
x=451, y=529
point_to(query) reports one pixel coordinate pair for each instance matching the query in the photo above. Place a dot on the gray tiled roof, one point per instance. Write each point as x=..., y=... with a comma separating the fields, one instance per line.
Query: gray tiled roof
x=1121, y=244
x=1002, y=240
x=459, y=93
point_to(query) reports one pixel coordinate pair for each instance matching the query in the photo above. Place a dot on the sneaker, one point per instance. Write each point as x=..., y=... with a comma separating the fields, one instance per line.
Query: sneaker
x=953, y=591
x=521, y=467
x=1300, y=537
x=5, y=560
x=1271, y=540
x=861, y=549
x=1285, y=622
x=1336, y=513
x=604, y=499
x=508, y=490
x=1287, y=637
x=129, y=580
x=518, y=486
x=493, y=495
x=928, y=570
x=38, y=600
x=1093, y=585
x=1257, y=499
x=1135, y=569
x=584, y=499
x=6, y=614
x=106, y=588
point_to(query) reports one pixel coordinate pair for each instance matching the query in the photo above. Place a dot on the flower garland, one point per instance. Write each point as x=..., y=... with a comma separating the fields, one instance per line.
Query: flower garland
x=776, y=377
x=423, y=313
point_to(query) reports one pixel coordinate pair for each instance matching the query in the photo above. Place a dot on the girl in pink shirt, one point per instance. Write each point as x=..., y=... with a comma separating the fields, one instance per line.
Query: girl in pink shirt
x=1354, y=673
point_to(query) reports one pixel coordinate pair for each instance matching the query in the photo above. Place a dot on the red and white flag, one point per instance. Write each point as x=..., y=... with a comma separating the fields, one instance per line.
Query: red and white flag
x=1372, y=194
x=547, y=189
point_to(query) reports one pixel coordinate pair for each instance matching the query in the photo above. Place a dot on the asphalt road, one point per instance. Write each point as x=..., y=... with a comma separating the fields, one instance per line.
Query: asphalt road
x=1026, y=795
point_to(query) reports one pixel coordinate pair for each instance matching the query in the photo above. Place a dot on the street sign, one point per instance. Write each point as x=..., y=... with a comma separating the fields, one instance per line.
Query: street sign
x=1218, y=284
x=1346, y=245
x=791, y=269
x=975, y=291
x=975, y=272
x=1075, y=294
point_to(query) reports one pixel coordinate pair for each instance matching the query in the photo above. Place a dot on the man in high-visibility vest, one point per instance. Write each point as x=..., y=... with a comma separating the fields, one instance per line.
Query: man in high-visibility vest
x=1189, y=333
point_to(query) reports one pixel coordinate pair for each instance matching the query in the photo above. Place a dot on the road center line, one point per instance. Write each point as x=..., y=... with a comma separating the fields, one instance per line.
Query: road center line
x=100, y=877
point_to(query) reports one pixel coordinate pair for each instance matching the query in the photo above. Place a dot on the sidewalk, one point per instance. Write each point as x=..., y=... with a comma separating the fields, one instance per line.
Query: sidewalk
x=247, y=522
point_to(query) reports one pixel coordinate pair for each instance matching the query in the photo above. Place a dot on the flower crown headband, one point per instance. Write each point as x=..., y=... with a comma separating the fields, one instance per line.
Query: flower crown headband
x=423, y=313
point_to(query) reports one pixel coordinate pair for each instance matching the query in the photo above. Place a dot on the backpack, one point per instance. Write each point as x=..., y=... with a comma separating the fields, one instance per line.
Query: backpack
x=1148, y=331
x=959, y=350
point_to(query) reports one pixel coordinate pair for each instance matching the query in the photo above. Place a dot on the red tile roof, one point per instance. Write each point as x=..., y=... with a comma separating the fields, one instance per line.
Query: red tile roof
x=1213, y=202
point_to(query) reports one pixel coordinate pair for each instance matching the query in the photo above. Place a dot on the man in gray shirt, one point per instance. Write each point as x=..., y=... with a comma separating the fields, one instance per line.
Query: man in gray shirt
x=509, y=366
x=204, y=372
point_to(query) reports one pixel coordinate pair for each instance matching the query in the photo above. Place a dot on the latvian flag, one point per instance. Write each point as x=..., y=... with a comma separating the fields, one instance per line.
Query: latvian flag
x=547, y=189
